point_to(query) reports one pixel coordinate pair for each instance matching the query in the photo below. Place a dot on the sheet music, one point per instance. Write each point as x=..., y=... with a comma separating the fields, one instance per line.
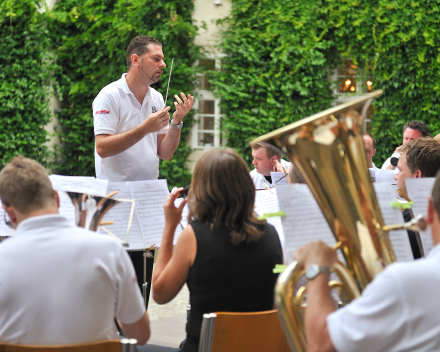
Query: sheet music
x=66, y=207
x=278, y=178
x=419, y=189
x=385, y=176
x=266, y=202
x=150, y=197
x=184, y=221
x=304, y=221
x=399, y=239
x=120, y=214
x=5, y=231
x=79, y=184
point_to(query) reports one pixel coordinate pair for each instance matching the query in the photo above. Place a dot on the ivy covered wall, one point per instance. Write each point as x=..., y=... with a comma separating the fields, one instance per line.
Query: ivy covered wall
x=25, y=67
x=90, y=39
x=279, y=55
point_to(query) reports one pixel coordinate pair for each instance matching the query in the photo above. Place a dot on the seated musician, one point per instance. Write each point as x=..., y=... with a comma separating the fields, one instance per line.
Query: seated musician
x=225, y=254
x=266, y=160
x=398, y=311
x=420, y=158
x=60, y=284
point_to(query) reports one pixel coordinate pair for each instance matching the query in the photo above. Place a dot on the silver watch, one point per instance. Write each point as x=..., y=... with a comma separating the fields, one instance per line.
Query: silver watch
x=314, y=270
x=177, y=127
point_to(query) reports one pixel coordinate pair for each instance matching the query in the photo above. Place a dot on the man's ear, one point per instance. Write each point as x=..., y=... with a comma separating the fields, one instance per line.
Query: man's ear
x=135, y=60
x=12, y=213
x=57, y=198
x=418, y=174
x=374, y=152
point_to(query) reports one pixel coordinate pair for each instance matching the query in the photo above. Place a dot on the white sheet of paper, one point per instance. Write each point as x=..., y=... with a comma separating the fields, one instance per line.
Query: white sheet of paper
x=267, y=202
x=66, y=207
x=419, y=189
x=183, y=222
x=5, y=231
x=79, y=184
x=304, y=221
x=385, y=176
x=278, y=178
x=150, y=197
x=385, y=194
x=120, y=214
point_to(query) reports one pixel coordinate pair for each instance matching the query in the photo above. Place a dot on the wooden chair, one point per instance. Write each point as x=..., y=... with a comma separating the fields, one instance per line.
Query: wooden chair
x=244, y=332
x=98, y=346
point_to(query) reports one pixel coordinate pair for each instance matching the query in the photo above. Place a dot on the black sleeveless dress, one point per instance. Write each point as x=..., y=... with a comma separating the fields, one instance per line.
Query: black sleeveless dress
x=228, y=278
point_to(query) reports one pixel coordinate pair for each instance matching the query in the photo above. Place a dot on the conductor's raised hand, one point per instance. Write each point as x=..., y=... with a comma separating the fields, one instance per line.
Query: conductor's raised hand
x=173, y=215
x=183, y=106
x=157, y=120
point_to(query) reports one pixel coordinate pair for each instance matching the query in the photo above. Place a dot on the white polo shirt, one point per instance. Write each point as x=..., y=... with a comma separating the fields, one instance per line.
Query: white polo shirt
x=398, y=311
x=60, y=284
x=116, y=110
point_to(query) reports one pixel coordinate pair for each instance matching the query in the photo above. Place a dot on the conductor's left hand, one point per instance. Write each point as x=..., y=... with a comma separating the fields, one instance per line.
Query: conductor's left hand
x=183, y=106
x=173, y=215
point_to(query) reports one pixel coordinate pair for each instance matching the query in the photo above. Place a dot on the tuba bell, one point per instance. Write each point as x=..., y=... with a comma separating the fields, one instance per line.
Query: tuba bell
x=89, y=209
x=328, y=150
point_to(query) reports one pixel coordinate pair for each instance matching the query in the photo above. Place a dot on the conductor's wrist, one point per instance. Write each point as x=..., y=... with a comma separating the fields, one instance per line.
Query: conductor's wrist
x=176, y=122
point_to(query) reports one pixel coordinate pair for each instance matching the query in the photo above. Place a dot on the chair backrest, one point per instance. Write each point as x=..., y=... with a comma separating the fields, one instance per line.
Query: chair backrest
x=98, y=346
x=244, y=332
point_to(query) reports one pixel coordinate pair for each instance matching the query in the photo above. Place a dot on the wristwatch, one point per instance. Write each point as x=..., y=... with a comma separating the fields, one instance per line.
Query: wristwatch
x=177, y=127
x=314, y=270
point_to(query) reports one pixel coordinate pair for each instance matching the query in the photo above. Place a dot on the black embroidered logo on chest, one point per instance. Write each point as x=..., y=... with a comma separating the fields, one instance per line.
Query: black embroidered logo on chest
x=153, y=109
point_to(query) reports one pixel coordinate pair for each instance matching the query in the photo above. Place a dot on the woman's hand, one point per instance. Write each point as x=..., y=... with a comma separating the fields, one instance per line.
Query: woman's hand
x=173, y=215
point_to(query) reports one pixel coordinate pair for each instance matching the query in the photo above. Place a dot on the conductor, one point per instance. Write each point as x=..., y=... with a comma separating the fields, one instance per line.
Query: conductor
x=131, y=121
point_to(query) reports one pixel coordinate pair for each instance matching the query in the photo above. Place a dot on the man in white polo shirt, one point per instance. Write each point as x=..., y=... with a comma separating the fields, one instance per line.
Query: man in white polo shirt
x=60, y=284
x=131, y=121
x=398, y=310
x=266, y=159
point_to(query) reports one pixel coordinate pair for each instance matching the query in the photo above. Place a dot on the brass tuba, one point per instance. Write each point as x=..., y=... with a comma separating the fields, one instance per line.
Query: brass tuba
x=89, y=209
x=329, y=152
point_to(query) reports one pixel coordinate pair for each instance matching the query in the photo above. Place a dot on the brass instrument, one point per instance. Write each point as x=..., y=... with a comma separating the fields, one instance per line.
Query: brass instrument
x=328, y=150
x=89, y=210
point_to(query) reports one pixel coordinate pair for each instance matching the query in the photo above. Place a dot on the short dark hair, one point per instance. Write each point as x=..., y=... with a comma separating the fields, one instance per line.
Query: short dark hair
x=372, y=138
x=419, y=126
x=139, y=46
x=24, y=184
x=423, y=154
x=270, y=150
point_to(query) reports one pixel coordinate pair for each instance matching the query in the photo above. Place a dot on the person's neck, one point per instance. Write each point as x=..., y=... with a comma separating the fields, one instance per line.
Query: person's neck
x=48, y=210
x=138, y=88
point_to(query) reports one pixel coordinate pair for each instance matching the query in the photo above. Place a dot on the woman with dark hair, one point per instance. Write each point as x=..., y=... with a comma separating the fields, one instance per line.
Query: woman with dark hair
x=225, y=254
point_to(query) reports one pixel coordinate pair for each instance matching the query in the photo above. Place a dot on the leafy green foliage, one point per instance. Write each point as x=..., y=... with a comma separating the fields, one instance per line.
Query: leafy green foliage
x=280, y=53
x=90, y=39
x=24, y=81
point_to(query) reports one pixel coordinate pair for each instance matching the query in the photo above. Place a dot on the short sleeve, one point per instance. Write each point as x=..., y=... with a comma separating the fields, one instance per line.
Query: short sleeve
x=129, y=305
x=373, y=322
x=105, y=114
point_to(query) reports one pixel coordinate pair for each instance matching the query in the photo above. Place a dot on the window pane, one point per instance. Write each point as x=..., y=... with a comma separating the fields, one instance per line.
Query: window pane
x=206, y=123
x=207, y=65
x=206, y=106
x=206, y=139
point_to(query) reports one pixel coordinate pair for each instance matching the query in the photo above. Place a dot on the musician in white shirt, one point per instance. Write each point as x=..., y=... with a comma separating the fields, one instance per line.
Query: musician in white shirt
x=398, y=311
x=60, y=284
x=266, y=160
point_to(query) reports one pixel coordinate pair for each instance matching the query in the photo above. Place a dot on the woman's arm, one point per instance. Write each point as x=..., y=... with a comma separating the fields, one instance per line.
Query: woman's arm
x=172, y=267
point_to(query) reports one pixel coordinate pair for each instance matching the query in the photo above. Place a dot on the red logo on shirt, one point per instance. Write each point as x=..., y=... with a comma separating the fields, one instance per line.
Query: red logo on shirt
x=102, y=112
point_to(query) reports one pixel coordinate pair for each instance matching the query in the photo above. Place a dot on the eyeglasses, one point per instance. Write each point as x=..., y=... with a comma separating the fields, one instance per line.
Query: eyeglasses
x=7, y=220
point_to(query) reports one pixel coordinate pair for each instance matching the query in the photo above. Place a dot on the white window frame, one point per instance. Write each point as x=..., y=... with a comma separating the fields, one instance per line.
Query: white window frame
x=203, y=94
